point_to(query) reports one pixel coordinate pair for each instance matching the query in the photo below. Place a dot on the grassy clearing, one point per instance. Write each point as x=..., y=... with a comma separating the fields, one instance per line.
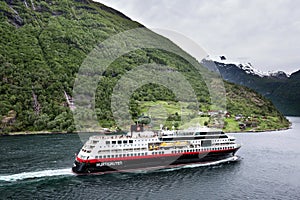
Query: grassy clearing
x=159, y=111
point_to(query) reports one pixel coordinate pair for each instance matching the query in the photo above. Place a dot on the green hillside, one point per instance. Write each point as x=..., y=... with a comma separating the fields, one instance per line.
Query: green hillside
x=42, y=46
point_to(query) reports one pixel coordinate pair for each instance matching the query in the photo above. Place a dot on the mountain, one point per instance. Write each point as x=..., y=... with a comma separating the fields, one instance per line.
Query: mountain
x=282, y=89
x=43, y=45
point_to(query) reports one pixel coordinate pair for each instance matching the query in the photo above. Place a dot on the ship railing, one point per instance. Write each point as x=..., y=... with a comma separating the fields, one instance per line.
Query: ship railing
x=121, y=137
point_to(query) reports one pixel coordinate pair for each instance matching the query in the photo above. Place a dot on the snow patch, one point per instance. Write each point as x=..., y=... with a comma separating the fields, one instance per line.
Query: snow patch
x=247, y=67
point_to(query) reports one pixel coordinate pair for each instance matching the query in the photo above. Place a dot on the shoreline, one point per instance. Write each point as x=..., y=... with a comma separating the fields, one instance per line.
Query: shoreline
x=260, y=131
x=26, y=133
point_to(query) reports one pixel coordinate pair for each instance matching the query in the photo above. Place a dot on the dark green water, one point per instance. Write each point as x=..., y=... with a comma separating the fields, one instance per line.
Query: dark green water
x=39, y=167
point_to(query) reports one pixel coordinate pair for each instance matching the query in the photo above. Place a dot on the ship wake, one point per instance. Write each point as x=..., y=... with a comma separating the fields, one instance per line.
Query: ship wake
x=213, y=163
x=68, y=171
x=191, y=165
x=37, y=174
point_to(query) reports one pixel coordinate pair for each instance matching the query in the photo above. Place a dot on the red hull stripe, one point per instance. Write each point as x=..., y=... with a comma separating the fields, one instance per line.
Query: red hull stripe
x=144, y=168
x=150, y=156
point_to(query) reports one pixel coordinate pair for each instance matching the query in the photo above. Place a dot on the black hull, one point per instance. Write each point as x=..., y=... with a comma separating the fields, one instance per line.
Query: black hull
x=128, y=165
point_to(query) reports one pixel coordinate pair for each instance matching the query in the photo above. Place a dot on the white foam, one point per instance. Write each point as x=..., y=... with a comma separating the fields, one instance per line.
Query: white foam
x=68, y=171
x=37, y=174
x=231, y=159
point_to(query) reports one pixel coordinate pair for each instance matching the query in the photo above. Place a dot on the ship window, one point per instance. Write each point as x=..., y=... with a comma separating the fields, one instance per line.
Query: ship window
x=119, y=141
x=108, y=156
x=130, y=141
x=107, y=142
x=131, y=154
x=104, y=156
x=100, y=156
x=139, y=154
x=124, y=141
x=113, y=142
x=112, y=156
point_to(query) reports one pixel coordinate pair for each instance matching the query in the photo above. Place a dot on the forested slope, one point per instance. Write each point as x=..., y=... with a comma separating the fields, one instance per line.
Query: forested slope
x=43, y=44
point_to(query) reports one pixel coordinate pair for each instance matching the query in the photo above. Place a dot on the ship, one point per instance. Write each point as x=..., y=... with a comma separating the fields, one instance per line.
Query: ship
x=150, y=150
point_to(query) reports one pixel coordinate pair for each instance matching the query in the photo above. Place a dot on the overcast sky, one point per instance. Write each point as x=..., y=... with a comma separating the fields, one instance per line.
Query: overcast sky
x=265, y=33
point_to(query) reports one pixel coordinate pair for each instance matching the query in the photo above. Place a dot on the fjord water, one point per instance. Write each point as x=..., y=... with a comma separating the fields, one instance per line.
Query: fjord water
x=39, y=167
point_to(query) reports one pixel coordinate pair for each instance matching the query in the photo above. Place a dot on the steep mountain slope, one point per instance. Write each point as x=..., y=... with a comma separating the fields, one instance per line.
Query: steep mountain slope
x=280, y=88
x=287, y=95
x=43, y=44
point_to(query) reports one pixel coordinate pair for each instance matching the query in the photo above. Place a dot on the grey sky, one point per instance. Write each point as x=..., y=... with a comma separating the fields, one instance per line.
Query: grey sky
x=265, y=33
